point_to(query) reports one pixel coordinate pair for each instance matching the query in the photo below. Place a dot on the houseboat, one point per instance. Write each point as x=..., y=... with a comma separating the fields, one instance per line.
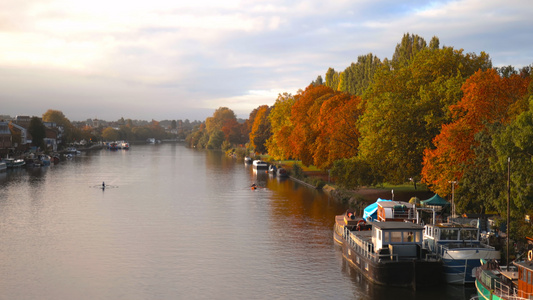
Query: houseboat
x=496, y=283
x=260, y=165
x=459, y=248
x=387, y=248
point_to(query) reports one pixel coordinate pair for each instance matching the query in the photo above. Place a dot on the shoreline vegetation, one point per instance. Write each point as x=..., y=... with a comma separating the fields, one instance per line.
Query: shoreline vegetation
x=353, y=198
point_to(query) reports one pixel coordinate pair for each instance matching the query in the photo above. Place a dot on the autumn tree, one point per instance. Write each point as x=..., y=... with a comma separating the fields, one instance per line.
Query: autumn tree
x=70, y=134
x=278, y=145
x=336, y=127
x=110, y=134
x=406, y=107
x=304, y=115
x=488, y=98
x=260, y=132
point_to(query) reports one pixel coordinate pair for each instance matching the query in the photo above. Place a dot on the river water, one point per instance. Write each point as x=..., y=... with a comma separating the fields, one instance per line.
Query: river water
x=173, y=223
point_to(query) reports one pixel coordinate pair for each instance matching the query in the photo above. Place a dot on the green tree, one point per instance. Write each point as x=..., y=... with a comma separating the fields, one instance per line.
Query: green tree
x=332, y=79
x=407, y=49
x=358, y=76
x=216, y=139
x=37, y=131
x=406, y=107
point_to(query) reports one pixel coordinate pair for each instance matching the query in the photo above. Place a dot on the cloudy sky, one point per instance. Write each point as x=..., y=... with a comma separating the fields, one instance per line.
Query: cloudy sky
x=163, y=59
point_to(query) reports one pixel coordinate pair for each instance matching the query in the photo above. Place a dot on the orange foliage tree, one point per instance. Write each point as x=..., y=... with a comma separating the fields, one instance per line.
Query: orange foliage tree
x=304, y=115
x=487, y=98
x=337, y=136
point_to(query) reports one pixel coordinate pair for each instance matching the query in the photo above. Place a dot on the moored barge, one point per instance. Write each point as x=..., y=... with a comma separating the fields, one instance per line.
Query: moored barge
x=389, y=253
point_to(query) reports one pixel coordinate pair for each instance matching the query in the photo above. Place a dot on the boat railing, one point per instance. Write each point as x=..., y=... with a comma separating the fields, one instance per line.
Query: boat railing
x=358, y=244
x=499, y=287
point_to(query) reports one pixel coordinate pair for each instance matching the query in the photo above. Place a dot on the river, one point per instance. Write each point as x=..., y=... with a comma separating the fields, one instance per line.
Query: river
x=173, y=223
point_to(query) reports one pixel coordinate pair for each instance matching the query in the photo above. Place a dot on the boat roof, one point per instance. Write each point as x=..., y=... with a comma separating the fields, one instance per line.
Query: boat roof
x=393, y=204
x=391, y=225
x=524, y=264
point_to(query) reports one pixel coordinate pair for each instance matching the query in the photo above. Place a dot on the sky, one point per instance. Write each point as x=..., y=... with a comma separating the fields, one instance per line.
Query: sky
x=177, y=60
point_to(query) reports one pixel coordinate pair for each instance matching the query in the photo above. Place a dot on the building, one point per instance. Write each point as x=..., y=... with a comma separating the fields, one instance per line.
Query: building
x=5, y=139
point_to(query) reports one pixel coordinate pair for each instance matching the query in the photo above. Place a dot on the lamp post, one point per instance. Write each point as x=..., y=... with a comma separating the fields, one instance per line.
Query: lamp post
x=453, y=182
x=508, y=205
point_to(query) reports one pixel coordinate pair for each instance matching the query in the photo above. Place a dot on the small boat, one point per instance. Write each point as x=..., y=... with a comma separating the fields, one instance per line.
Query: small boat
x=14, y=163
x=112, y=146
x=282, y=172
x=247, y=160
x=259, y=164
x=3, y=166
x=459, y=248
x=272, y=169
x=125, y=145
x=388, y=252
x=45, y=159
x=72, y=150
x=501, y=283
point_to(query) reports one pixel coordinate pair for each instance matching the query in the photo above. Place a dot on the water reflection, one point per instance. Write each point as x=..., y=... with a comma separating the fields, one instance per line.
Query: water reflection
x=181, y=223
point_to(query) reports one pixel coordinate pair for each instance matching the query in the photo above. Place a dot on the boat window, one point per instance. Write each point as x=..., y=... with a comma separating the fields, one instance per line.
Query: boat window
x=468, y=234
x=396, y=237
x=449, y=234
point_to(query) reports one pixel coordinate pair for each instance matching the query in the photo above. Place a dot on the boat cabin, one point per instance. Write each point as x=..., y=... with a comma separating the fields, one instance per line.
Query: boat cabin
x=397, y=239
x=396, y=211
x=452, y=235
x=448, y=232
x=525, y=277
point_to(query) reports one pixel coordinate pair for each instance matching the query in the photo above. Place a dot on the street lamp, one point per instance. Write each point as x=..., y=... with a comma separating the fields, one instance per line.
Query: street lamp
x=453, y=183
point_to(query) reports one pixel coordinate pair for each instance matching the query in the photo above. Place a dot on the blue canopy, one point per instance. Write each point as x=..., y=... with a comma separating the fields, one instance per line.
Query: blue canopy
x=372, y=210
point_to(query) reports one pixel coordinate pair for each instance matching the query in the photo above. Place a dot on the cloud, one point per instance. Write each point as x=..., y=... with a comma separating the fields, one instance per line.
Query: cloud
x=156, y=59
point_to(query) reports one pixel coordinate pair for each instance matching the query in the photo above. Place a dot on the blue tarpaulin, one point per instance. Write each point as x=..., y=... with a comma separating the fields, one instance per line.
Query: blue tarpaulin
x=372, y=210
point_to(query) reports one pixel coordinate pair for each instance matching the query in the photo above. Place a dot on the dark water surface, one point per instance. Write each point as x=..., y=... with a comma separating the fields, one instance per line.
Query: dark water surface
x=174, y=223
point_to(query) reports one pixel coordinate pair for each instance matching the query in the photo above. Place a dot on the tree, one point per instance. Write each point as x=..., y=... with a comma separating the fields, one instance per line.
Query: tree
x=332, y=79
x=260, y=132
x=278, y=145
x=406, y=107
x=304, y=114
x=37, y=131
x=407, y=49
x=338, y=136
x=110, y=134
x=70, y=134
x=358, y=76
x=488, y=99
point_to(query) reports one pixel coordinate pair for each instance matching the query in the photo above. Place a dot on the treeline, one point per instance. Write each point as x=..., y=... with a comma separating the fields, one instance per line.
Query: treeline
x=432, y=114
x=122, y=129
